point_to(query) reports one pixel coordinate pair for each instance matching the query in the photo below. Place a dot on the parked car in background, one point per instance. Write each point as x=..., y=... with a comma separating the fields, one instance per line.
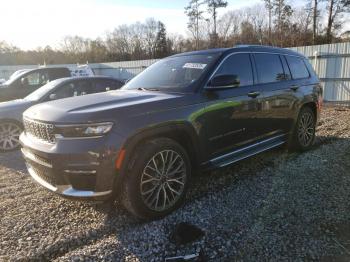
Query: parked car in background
x=25, y=81
x=11, y=112
x=192, y=111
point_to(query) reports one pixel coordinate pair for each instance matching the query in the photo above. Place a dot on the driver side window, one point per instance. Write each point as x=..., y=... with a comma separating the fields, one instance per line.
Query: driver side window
x=35, y=79
x=240, y=66
x=75, y=88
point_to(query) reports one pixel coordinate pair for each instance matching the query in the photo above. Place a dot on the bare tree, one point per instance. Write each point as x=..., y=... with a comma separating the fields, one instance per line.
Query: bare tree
x=335, y=10
x=269, y=8
x=315, y=15
x=151, y=29
x=283, y=12
x=228, y=26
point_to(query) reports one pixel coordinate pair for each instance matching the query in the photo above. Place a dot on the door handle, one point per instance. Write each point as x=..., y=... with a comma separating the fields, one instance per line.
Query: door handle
x=253, y=94
x=294, y=87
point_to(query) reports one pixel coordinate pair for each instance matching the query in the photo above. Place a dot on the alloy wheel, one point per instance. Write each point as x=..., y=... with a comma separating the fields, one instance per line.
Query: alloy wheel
x=163, y=180
x=306, y=130
x=9, y=136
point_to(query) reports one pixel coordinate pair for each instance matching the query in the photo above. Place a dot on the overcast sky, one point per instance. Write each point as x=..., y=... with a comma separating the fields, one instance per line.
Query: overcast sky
x=32, y=23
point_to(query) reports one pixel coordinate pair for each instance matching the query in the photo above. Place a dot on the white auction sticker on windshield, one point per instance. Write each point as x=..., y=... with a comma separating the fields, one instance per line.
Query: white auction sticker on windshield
x=195, y=65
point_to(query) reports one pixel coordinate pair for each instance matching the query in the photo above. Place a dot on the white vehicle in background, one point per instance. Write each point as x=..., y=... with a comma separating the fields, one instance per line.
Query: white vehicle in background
x=82, y=70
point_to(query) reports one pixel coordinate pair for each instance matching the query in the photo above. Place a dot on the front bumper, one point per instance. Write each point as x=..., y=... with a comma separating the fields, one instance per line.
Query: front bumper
x=81, y=169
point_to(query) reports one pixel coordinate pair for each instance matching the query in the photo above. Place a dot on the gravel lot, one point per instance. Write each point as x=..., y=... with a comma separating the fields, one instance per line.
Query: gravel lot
x=276, y=206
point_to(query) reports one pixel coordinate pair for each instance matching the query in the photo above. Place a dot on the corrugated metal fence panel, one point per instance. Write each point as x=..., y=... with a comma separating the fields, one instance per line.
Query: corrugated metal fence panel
x=332, y=64
x=340, y=48
x=122, y=70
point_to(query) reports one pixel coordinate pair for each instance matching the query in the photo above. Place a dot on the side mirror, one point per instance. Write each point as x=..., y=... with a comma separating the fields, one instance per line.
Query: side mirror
x=224, y=81
x=52, y=96
x=24, y=81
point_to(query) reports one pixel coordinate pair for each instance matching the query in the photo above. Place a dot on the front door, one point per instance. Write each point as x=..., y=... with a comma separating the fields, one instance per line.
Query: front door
x=230, y=115
x=28, y=83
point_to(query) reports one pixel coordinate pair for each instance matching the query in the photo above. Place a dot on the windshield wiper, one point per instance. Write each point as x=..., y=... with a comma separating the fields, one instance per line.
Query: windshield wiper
x=147, y=89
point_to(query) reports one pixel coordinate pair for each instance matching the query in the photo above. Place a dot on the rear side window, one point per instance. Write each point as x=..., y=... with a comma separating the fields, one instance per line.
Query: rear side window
x=269, y=68
x=59, y=73
x=239, y=65
x=107, y=85
x=297, y=67
x=75, y=88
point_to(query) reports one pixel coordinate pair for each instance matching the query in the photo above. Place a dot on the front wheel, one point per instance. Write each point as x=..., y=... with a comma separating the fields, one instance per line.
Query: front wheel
x=304, y=131
x=158, y=180
x=9, y=136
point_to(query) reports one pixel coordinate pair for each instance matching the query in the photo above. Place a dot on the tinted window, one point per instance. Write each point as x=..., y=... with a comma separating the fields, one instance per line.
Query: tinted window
x=77, y=88
x=297, y=67
x=106, y=85
x=59, y=73
x=238, y=65
x=269, y=68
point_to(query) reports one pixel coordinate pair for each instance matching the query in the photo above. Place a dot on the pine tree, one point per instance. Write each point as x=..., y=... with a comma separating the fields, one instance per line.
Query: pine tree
x=213, y=5
x=161, y=42
x=195, y=15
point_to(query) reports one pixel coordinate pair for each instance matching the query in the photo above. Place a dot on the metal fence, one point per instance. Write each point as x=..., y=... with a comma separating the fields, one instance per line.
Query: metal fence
x=331, y=63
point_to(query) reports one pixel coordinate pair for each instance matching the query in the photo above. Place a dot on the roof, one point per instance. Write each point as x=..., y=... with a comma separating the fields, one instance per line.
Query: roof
x=243, y=48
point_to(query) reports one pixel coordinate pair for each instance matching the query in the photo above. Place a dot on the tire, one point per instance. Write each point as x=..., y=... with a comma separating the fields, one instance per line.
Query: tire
x=158, y=180
x=304, y=130
x=9, y=135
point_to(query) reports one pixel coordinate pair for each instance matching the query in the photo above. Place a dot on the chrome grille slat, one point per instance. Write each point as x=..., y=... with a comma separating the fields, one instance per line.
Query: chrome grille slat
x=39, y=130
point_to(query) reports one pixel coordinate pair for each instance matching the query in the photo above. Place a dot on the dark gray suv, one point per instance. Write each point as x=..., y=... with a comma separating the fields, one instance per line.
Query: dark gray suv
x=192, y=111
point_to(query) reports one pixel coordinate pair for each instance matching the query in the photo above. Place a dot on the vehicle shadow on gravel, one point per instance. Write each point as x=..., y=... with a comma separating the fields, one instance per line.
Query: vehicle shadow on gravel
x=13, y=160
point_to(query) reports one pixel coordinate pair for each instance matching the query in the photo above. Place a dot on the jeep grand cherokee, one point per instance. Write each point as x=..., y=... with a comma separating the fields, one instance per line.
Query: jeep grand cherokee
x=191, y=111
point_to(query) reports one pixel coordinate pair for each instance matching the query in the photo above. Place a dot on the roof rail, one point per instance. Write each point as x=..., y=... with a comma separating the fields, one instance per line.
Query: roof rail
x=258, y=46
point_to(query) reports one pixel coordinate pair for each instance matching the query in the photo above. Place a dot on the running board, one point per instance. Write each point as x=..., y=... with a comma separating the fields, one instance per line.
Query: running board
x=248, y=151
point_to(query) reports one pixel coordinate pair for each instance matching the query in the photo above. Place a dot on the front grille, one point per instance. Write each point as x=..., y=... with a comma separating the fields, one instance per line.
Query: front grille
x=42, y=160
x=39, y=130
x=45, y=174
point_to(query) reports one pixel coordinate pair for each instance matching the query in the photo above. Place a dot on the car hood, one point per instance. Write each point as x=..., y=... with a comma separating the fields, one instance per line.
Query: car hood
x=14, y=104
x=105, y=106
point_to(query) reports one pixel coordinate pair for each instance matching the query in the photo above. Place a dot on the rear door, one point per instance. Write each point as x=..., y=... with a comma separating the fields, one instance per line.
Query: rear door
x=230, y=115
x=279, y=98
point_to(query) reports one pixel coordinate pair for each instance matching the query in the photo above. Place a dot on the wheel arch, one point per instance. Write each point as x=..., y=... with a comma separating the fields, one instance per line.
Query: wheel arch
x=183, y=133
x=312, y=105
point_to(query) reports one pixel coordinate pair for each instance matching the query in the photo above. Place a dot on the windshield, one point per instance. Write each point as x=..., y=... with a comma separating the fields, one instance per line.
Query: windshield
x=42, y=91
x=174, y=73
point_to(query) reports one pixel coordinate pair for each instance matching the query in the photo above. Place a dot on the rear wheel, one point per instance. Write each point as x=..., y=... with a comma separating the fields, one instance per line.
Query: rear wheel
x=9, y=136
x=304, y=131
x=158, y=181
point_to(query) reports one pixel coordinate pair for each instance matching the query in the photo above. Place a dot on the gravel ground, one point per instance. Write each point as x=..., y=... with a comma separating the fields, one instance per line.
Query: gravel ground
x=273, y=207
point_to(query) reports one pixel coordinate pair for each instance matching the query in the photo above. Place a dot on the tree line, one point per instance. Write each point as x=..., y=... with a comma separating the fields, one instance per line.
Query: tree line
x=210, y=25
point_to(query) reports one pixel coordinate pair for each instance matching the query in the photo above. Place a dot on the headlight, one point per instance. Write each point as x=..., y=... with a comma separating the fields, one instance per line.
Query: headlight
x=84, y=130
